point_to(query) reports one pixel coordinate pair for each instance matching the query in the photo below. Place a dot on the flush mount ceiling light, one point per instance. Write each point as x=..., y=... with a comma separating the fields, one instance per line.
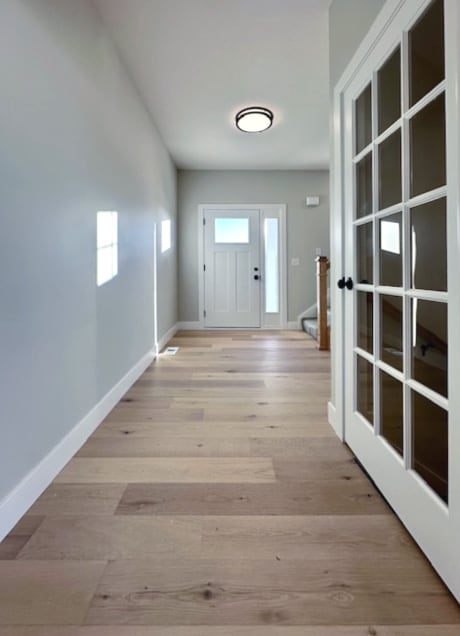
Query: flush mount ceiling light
x=254, y=119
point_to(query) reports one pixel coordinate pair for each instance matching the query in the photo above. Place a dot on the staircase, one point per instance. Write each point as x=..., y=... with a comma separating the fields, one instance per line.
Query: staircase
x=317, y=319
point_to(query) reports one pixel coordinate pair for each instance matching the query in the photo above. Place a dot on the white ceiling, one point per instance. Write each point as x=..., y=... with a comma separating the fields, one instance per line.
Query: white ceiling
x=197, y=62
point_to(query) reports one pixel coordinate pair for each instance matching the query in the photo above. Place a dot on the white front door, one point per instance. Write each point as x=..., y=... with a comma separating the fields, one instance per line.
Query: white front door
x=402, y=332
x=232, y=268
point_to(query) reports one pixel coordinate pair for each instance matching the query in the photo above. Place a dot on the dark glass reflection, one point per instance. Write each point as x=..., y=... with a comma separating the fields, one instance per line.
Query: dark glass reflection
x=365, y=253
x=430, y=444
x=391, y=327
x=391, y=411
x=429, y=246
x=428, y=147
x=389, y=91
x=429, y=348
x=391, y=250
x=365, y=302
x=426, y=52
x=365, y=389
x=390, y=181
x=363, y=119
x=364, y=186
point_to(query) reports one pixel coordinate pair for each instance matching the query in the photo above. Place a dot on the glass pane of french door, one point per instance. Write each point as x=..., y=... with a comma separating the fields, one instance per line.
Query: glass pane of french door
x=400, y=246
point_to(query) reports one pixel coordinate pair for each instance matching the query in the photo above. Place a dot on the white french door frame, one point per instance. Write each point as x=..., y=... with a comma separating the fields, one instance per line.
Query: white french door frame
x=381, y=37
x=267, y=210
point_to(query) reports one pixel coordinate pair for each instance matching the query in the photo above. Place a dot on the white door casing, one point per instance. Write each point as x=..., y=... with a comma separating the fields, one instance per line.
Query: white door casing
x=433, y=520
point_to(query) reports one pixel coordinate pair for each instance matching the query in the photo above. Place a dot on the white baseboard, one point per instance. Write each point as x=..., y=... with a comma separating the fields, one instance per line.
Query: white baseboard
x=293, y=324
x=191, y=326
x=332, y=419
x=163, y=341
x=18, y=501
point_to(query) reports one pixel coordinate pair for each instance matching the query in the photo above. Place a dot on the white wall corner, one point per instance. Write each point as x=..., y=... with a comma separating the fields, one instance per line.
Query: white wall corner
x=165, y=338
x=20, y=499
x=293, y=325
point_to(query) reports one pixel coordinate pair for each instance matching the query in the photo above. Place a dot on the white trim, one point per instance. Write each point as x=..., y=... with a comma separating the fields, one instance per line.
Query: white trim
x=293, y=325
x=165, y=338
x=18, y=501
x=267, y=210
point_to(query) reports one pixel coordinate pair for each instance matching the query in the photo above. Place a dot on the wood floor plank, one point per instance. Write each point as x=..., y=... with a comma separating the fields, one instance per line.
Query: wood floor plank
x=267, y=592
x=235, y=630
x=313, y=537
x=250, y=426
x=122, y=444
x=11, y=546
x=47, y=592
x=167, y=470
x=13, y=543
x=134, y=410
x=109, y=537
x=339, y=497
x=76, y=499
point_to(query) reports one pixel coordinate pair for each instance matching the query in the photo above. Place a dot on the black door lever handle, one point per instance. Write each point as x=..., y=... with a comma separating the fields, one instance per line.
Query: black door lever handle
x=342, y=283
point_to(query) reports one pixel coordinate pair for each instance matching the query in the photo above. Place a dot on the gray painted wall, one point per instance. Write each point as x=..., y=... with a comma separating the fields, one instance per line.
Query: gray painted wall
x=307, y=228
x=349, y=21
x=75, y=139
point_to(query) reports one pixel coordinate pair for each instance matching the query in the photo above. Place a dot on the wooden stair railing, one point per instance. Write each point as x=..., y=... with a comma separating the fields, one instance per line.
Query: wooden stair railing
x=322, y=267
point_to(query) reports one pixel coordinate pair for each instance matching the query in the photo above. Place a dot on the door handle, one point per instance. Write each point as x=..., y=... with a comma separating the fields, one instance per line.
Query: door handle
x=342, y=283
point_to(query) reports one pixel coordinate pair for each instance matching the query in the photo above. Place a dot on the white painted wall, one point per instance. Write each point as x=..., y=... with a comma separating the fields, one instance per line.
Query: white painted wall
x=74, y=139
x=307, y=228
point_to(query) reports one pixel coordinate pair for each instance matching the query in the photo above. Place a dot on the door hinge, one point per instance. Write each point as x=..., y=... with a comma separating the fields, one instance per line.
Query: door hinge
x=204, y=313
x=204, y=268
x=204, y=221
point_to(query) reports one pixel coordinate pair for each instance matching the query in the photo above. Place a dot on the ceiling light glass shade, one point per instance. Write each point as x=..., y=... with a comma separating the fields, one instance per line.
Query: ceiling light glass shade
x=254, y=119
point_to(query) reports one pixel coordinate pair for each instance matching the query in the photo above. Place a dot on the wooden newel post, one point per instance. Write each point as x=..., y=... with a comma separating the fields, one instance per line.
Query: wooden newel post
x=322, y=266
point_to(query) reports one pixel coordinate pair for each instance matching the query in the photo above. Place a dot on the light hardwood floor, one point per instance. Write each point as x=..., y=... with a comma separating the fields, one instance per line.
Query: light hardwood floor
x=215, y=500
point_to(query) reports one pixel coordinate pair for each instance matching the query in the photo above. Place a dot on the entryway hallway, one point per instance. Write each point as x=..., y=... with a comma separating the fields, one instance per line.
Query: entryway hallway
x=216, y=500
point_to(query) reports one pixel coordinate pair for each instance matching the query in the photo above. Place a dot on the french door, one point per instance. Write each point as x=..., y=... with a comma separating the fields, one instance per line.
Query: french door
x=401, y=289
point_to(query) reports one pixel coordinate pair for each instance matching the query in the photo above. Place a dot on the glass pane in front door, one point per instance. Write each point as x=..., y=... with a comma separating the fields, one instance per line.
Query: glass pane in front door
x=365, y=388
x=390, y=191
x=389, y=91
x=391, y=331
x=426, y=52
x=429, y=245
x=391, y=411
x=428, y=147
x=364, y=117
x=430, y=443
x=391, y=250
